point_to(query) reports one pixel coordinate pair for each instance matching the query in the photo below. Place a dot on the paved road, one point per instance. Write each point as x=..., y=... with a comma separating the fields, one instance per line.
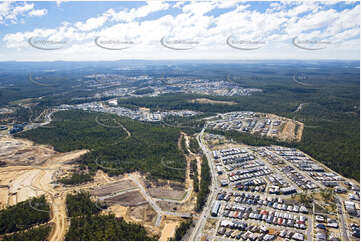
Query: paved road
x=155, y=206
x=195, y=236
x=342, y=219
x=274, y=170
x=305, y=174
x=145, y=194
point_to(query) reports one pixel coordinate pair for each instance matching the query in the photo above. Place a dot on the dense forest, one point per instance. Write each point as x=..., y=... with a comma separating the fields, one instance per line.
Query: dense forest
x=24, y=215
x=331, y=111
x=76, y=178
x=105, y=227
x=195, y=175
x=204, y=184
x=184, y=146
x=40, y=233
x=111, y=149
x=194, y=146
x=144, y=91
x=189, y=125
x=80, y=204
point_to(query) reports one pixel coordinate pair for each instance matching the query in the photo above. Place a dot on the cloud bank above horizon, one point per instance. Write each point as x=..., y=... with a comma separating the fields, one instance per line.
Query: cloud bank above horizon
x=97, y=31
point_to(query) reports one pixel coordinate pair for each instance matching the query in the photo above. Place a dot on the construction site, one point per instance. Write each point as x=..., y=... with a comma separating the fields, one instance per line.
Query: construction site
x=30, y=170
x=262, y=124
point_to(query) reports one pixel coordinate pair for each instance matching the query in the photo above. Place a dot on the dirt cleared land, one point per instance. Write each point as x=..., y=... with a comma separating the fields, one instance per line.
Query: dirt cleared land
x=25, y=182
x=119, y=211
x=144, y=109
x=23, y=152
x=111, y=188
x=127, y=199
x=166, y=193
x=144, y=213
x=168, y=231
x=288, y=132
x=210, y=101
x=209, y=227
x=299, y=133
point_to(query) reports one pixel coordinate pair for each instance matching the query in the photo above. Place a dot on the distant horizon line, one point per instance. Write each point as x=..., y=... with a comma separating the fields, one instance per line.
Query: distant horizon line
x=154, y=60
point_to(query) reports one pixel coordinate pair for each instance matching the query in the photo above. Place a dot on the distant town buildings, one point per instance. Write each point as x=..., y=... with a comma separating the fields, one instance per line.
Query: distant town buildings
x=141, y=115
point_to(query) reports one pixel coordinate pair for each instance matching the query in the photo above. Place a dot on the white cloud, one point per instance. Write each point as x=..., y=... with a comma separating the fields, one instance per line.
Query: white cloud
x=38, y=12
x=92, y=23
x=129, y=15
x=227, y=4
x=11, y=11
x=22, y=9
x=277, y=26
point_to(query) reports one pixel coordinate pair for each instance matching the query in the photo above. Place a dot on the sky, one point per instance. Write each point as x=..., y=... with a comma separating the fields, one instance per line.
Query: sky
x=177, y=30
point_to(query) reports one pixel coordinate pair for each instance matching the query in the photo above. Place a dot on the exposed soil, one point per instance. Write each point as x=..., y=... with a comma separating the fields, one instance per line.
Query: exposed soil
x=143, y=213
x=166, y=193
x=168, y=231
x=119, y=211
x=210, y=101
x=127, y=199
x=23, y=152
x=111, y=188
x=25, y=182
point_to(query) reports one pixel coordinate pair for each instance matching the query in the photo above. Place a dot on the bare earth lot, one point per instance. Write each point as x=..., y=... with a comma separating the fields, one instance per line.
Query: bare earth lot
x=23, y=152
x=210, y=101
x=127, y=199
x=111, y=188
x=166, y=193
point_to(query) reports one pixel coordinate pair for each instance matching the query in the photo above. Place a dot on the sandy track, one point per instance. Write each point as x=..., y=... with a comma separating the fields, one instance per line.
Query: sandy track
x=59, y=219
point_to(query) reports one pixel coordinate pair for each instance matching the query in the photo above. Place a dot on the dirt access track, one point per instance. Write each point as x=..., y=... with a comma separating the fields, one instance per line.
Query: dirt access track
x=23, y=182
